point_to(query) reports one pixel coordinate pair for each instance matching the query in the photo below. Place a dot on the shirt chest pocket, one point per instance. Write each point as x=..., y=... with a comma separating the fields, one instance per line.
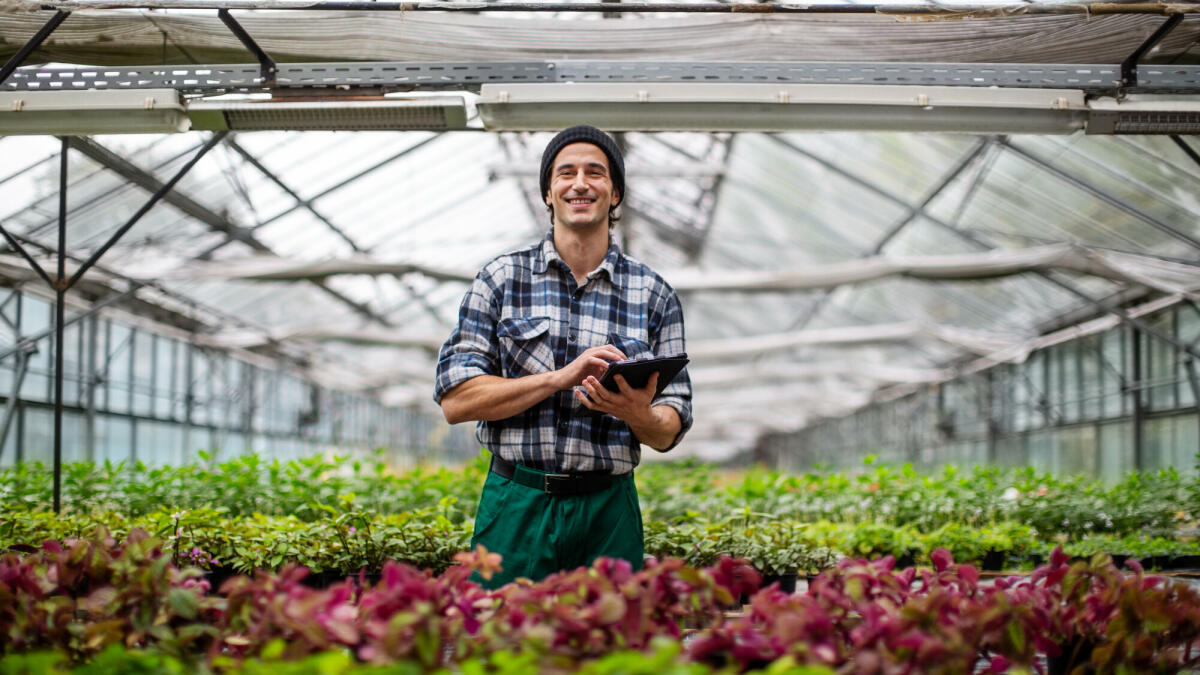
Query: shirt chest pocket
x=525, y=347
x=631, y=347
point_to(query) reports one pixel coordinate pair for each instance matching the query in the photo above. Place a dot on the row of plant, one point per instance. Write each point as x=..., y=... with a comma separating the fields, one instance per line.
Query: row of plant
x=95, y=600
x=305, y=488
x=1159, y=503
x=349, y=541
x=663, y=657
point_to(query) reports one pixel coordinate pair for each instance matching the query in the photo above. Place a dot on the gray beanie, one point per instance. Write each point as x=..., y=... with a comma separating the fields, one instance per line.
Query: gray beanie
x=585, y=134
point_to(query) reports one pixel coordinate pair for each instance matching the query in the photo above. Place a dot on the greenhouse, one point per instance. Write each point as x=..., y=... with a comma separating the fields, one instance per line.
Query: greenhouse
x=938, y=265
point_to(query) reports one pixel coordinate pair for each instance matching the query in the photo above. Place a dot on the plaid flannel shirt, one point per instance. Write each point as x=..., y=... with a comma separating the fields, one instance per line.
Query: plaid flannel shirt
x=525, y=314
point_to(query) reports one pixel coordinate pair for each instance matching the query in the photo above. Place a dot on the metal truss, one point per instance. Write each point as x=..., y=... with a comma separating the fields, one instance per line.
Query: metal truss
x=465, y=76
x=611, y=7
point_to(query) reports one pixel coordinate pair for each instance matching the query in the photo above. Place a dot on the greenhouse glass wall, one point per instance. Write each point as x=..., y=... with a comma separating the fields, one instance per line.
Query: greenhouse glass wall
x=1105, y=404
x=134, y=391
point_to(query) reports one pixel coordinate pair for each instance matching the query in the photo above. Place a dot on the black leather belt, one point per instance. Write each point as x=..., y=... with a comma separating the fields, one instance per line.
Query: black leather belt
x=557, y=484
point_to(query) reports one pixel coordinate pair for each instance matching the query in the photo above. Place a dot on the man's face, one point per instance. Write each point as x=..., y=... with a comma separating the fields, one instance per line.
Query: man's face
x=581, y=188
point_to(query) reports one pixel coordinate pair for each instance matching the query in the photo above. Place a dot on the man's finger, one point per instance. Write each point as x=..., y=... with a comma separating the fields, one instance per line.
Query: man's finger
x=652, y=381
x=610, y=349
x=596, y=391
x=582, y=398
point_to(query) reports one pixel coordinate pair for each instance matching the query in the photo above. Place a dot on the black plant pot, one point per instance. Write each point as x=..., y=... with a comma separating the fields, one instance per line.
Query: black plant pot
x=219, y=574
x=323, y=579
x=334, y=577
x=1076, y=653
x=1184, y=562
x=786, y=581
x=993, y=561
x=1157, y=562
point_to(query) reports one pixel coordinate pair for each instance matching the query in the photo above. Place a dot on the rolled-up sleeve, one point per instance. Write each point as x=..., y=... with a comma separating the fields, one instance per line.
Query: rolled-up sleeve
x=471, y=350
x=669, y=341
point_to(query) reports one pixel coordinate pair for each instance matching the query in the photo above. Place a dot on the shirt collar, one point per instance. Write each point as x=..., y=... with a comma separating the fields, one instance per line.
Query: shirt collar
x=549, y=254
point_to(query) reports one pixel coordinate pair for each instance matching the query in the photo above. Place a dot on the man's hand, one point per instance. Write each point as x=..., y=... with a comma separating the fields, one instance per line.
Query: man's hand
x=656, y=426
x=590, y=364
x=490, y=398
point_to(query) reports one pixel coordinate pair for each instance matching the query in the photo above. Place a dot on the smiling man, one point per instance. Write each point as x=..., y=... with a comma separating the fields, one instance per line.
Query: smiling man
x=535, y=332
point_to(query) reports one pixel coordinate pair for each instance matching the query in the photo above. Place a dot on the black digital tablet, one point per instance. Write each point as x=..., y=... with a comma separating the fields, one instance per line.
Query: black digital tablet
x=637, y=372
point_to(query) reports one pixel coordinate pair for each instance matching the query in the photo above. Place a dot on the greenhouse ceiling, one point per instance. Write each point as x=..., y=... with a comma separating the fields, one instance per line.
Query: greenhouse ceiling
x=852, y=202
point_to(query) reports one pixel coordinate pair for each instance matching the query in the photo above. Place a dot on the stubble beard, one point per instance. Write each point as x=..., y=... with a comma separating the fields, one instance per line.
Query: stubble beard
x=581, y=227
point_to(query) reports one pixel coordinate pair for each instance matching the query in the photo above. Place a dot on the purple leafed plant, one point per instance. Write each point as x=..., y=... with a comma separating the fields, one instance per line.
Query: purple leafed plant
x=865, y=617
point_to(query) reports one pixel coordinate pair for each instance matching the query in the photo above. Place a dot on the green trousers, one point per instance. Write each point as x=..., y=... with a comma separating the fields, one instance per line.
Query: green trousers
x=539, y=534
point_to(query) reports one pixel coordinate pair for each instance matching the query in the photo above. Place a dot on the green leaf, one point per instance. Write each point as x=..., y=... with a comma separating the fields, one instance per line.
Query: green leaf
x=183, y=602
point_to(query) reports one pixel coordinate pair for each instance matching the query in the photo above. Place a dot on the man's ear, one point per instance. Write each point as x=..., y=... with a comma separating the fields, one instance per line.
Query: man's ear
x=617, y=197
x=546, y=198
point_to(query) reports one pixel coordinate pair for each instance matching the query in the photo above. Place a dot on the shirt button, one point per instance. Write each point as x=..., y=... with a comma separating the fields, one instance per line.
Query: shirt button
x=570, y=337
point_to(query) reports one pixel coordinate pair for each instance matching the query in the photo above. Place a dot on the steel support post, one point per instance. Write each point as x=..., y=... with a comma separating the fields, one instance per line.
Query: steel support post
x=1135, y=391
x=267, y=67
x=10, y=407
x=189, y=394
x=130, y=373
x=33, y=264
x=30, y=47
x=1187, y=149
x=60, y=303
x=993, y=426
x=1129, y=65
x=1189, y=364
x=91, y=380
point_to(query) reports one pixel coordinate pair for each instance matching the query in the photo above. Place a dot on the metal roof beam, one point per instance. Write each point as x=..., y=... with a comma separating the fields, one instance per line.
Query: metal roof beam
x=707, y=202
x=1102, y=195
x=254, y=161
x=145, y=180
x=212, y=219
x=1187, y=149
x=335, y=77
x=914, y=211
x=969, y=237
x=932, y=9
x=329, y=190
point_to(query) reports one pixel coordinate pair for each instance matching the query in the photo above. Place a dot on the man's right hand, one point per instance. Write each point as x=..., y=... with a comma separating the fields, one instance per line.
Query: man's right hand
x=591, y=363
x=490, y=398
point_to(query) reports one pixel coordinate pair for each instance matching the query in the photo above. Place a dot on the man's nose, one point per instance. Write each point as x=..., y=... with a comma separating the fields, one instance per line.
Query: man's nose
x=579, y=183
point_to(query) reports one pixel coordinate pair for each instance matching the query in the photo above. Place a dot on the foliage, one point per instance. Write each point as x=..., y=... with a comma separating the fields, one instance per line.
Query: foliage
x=865, y=617
x=306, y=489
x=83, y=595
x=103, y=607
x=337, y=516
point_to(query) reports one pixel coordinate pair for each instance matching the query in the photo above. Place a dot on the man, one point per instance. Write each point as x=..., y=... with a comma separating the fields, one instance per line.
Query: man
x=536, y=331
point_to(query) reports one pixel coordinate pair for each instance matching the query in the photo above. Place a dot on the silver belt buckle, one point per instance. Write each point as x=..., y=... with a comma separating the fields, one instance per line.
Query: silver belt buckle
x=546, y=480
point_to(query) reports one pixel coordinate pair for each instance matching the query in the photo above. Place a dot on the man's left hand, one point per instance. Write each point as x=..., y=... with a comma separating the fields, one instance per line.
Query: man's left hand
x=656, y=426
x=629, y=404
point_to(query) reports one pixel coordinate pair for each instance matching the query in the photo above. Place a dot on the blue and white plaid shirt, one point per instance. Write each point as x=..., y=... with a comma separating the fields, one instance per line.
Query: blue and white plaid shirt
x=524, y=314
